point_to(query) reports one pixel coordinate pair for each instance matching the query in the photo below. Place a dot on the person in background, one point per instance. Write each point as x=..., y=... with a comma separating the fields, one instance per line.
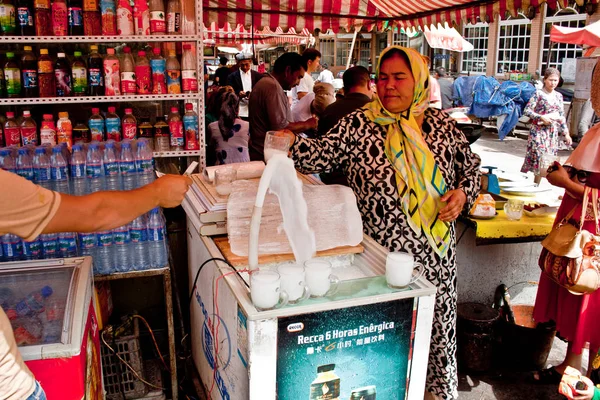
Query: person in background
x=213, y=113
x=435, y=93
x=311, y=58
x=28, y=210
x=587, y=118
x=446, y=87
x=262, y=68
x=242, y=81
x=413, y=173
x=269, y=108
x=326, y=76
x=548, y=123
x=222, y=72
x=314, y=104
x=229, y=135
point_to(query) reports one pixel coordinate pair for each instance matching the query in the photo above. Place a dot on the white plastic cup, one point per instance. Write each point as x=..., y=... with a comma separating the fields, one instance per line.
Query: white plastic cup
x=265, y=290
x=319, y=279
x=293, y=282
x=275, y=144
x=514, y=209
x=399, y=267
x=224, y=178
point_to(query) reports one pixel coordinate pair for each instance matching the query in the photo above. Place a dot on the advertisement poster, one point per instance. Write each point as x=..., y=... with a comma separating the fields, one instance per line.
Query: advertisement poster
x=356, y=353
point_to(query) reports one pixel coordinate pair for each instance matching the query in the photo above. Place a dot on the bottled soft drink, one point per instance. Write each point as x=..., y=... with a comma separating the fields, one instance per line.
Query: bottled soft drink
x=94, y=168
x=112, y=74
x=47, y=87
x=67, y=244
x=127, y=73
x=190, y=126
x=141, y=17
x=78, y=173
x=173, y=17
x=87, y=244
x=75, y=17
x=60, y=18
x=53, y=321
x=42, y=168
x=32, y=250
x=95, y=72
x=24, y=164
x=173, y=74
x=12, y=76
x=104, y=261
x=25, y=18
x=145, y=132
x=124, y=18
x=2, y=85
x=48, y=130
x=109, y=17
x=158, y=65
x=143, y=74
x=139, y=241
x=161, y=135
x=49, y=245
x=34, y=302
x=7, y=162
x=144, y=162
x=111, y=167
x=157, y=249
x=12, y=131
x=127, y=165
x=8, y=23
x=29, y=70
x=176, y=129
x=63, y=75
x=28, y=129
x=158, y=24
x=11, y=247
x=96, y=124
x=189, y=77
x=92, y=19
x=59, y=170
x=129, y=125
x=113, y=125
x=79, y=73
x=122, y=241
x=81, y=133
x=43, y=18
x=64, y=129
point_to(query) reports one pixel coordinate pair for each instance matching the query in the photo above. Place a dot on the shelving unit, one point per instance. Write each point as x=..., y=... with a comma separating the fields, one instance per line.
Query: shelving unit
x=98, y=99
x=96, y=39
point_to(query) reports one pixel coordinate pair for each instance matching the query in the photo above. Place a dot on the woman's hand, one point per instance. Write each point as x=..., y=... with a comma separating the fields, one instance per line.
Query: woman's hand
x=568, y=139
x=588, y=393
x=545, y=120
x=455, y=200
x=287, y=133
x=557, y=175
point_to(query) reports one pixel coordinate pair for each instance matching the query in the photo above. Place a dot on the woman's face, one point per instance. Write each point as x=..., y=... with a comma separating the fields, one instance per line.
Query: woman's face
x=551, y=82
x=396, y=84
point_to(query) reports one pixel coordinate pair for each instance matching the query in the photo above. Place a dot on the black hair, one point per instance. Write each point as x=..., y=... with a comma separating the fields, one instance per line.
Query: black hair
x=310, y=54
x=230, y=105
x=355, y=76
x=223, y=60
x=292, y=60
x=395, y=52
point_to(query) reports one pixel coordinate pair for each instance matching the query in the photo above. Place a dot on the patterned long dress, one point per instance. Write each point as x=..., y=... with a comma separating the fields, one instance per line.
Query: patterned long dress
x=543, y=139
x=356, y=145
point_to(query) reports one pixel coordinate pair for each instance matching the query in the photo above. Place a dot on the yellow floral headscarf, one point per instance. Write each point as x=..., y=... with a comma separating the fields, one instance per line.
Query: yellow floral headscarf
x=419, y=179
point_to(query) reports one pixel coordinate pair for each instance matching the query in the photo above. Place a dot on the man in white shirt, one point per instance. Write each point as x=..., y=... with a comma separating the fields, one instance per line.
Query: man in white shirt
x=242, y=81
x=311, y=57
x=326, y=76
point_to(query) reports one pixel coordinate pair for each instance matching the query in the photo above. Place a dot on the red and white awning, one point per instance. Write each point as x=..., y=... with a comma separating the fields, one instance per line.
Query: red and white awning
x=227, y=35
x=444, y=37
x=587, y=36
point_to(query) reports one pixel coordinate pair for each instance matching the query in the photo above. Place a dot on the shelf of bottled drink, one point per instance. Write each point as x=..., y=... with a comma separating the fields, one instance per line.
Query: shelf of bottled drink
x=97, y=99
x=97, y=39
x=131, y=274
x=180, y=153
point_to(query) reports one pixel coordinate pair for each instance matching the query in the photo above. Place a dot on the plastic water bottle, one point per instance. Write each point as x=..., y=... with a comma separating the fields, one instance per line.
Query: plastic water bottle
x=78, y=173
x=11, y=247
x=7, y=161
x=139, y=241
x=122, y=241
x=111, y=167
x=127, y=165
x=53, y=320
x=104, y=261
x=67, y=244
x=59, y=170
x=41, y=168
x=32, y=250
x=156, y=239
x=49, y=245
x=24, y=164
x=34, y=302
x=94, y=168
x=144, y=162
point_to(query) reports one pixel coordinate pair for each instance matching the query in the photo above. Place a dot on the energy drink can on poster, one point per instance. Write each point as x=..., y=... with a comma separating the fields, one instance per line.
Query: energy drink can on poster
x=327, y=384
x=363, y=393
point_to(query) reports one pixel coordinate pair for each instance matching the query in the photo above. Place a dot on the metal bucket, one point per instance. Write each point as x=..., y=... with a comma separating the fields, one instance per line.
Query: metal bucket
x=526, y=344
x=477, y=327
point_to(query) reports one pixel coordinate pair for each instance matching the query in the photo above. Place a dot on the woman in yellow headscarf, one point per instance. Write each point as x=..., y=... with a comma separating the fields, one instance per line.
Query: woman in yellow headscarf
x=413, y=173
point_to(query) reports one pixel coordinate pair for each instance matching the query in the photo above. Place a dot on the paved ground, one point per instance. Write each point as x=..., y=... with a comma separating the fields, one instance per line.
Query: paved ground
x=508, y=385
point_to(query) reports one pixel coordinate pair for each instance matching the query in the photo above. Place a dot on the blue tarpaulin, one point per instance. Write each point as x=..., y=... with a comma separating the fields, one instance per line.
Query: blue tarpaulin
x=487, y=97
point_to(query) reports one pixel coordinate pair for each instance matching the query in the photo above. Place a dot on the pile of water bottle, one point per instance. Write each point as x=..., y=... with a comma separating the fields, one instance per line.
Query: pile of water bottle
x=89, y=168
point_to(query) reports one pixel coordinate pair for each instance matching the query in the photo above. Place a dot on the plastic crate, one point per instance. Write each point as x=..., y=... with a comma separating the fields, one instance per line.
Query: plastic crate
x=117, y=377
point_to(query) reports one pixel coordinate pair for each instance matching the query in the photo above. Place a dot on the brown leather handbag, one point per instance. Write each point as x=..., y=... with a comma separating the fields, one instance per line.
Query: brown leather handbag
x=571, y=256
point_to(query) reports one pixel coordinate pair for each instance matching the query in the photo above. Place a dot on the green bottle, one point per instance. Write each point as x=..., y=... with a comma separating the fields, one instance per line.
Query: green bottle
x=8, y=22
x=79, y=72
x=12, y=76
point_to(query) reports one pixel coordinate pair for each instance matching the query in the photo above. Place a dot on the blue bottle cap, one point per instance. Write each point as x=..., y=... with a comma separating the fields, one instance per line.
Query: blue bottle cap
x=5, y=152
x=40, y=150
x=77, y=147
x=47, y=291
x=56, y=150
x=22, y=151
